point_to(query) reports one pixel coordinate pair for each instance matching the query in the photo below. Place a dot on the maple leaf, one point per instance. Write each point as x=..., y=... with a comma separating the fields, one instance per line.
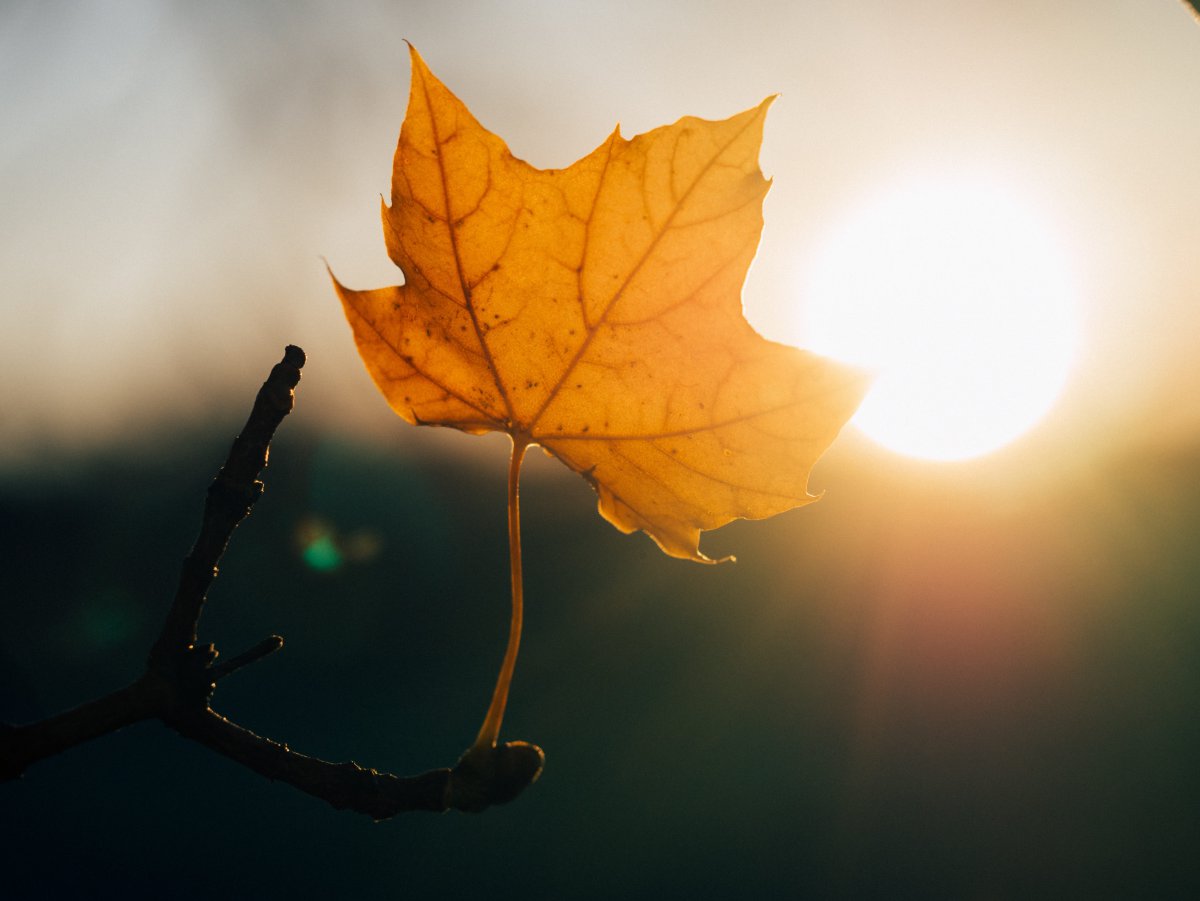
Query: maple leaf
x=594, y=311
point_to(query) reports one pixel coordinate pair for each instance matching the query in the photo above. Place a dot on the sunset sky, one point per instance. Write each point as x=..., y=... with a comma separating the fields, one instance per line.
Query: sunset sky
x=174, y=176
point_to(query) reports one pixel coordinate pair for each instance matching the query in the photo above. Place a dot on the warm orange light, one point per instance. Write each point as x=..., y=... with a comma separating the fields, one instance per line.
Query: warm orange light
x=958, y=295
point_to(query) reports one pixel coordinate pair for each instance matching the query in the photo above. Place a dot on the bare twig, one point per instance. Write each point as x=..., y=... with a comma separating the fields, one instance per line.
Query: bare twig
x=230, y=497
x=181, y=676
x=346, y=786
x=267, y=646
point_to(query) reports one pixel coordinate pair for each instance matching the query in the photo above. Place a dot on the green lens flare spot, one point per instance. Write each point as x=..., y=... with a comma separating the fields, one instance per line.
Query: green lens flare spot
x=322, y=554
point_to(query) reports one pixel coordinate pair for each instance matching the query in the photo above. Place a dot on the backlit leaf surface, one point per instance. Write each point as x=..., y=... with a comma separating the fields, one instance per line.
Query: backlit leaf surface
x=596, y=311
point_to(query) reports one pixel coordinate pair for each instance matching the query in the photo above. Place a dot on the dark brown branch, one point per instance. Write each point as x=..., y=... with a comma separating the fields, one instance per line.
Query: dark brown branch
x=181, y=675
x=230, y=497
x=346, y=786
x=264, y=648
x=23, y=745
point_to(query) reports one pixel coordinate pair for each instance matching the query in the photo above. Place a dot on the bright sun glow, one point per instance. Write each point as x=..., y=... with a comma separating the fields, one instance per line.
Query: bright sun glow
x=961, y=300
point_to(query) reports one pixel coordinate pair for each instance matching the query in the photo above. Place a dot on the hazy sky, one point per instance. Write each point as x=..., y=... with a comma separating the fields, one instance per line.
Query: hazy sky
x=172, y=174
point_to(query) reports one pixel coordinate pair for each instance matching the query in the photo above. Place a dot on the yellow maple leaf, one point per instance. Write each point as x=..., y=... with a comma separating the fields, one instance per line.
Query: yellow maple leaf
x=596, y=311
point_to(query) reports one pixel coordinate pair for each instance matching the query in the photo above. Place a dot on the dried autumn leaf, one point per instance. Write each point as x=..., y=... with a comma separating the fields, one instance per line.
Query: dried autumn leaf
x=595, y=311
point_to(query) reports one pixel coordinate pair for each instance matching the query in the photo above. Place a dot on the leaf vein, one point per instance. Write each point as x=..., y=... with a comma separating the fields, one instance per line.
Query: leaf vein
x=462, y=280
x=619, y=293
x=408, y=361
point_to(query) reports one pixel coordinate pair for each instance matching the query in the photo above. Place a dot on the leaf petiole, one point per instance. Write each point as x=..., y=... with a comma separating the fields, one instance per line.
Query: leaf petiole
x=489, y=732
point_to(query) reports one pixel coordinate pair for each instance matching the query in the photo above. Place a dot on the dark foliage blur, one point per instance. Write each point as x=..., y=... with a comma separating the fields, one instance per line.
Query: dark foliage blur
x=891, y=695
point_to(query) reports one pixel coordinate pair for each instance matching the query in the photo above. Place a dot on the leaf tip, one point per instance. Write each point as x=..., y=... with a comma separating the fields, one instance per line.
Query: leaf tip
x=692, y=553
x=420, y=70
x=698, y=556
x=337, y=286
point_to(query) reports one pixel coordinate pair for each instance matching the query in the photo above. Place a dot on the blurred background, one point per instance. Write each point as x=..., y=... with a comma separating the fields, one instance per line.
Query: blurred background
x=973, y=680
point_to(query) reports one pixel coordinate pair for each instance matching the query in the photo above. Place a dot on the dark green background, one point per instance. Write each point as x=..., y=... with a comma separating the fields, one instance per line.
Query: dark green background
x=851, y=710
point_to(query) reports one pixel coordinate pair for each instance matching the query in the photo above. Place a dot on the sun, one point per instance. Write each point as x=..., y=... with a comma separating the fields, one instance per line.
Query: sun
x=958, y=295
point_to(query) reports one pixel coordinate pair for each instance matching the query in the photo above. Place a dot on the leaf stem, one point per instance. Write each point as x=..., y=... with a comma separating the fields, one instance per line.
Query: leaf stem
x=489, y=732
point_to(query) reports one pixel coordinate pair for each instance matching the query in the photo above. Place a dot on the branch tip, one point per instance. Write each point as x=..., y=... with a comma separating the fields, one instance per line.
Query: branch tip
x=485, y=776
x=294, y=356
x=264, y=648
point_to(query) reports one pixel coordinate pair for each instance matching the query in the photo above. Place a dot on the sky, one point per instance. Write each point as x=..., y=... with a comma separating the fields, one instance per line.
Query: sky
x=959, y=680
x=175, y=178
